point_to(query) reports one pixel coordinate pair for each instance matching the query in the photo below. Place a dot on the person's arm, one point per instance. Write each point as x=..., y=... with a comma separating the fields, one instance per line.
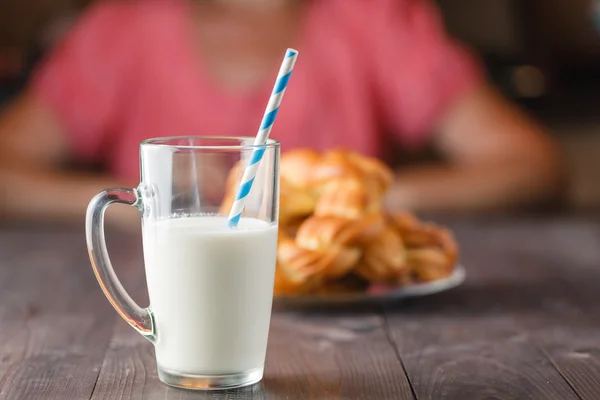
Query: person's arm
x=71, y=101
x=498, y=157
x=34, y=185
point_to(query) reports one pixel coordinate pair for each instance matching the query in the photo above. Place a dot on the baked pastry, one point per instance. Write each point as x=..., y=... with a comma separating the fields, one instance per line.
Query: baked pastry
x=385, y=258
x=337, y=182
x=297, y=168
x=342, y=164
x=432, y=250
x=325, y=248
x=295, y=203
x=334, y=235
x=343, y=183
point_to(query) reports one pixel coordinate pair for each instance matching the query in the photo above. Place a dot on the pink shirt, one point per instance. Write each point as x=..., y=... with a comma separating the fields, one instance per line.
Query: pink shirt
x=128, y=72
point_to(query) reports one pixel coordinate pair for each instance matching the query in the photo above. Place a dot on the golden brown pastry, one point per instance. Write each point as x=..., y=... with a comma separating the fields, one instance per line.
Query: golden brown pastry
x=342, y=183
x=295, y=203
x=337, y=182
x=343, y=164
x=385, y=258
x=346, y=198
x=432, y=250
x=285, y=286
x=334, y=235
x=297, y=167
x=325, y=248
x=408, y=249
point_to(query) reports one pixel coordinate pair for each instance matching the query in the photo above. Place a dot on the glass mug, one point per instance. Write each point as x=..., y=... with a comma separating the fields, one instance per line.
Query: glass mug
x=210, y=286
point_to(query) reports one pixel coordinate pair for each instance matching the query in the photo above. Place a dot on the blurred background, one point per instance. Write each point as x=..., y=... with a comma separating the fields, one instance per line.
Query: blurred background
x=544, y=54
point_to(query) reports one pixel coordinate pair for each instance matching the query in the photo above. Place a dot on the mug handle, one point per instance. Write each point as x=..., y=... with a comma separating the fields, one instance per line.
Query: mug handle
x=140, y=319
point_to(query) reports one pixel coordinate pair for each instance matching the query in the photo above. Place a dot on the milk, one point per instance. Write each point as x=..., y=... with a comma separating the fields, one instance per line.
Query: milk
x=211, y=290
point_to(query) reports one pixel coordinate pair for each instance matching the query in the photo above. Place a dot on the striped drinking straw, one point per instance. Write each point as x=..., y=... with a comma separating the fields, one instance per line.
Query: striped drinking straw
x=263, y=134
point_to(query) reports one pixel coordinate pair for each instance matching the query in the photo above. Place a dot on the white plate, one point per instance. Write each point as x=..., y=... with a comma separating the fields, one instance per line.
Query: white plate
x=403, y=292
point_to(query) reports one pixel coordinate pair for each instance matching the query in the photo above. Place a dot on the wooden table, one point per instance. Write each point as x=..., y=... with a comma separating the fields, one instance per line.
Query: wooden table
x=525, y=325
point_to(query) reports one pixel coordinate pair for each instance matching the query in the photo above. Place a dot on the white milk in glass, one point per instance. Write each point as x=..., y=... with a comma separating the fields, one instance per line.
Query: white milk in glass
x=211, y=290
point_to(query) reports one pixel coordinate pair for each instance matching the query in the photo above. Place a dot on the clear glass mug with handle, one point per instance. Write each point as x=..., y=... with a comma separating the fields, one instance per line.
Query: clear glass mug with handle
x=210, y=286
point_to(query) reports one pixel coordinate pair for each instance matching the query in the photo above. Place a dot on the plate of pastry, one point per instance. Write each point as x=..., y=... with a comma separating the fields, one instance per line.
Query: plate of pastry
x=337, y=243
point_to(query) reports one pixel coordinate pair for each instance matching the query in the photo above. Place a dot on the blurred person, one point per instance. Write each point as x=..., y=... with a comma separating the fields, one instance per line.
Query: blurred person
x=56, y=29
x=368, y=71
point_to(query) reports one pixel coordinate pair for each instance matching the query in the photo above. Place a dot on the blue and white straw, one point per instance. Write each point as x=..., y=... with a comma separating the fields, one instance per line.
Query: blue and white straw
x=263, y=134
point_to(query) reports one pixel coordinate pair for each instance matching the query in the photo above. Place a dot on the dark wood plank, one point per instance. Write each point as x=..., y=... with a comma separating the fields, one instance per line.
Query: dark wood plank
x=309, y=357
x=45, y=271
x=55, y=324
x=483, y=339
x=523, y=326
x=576, y=355
x=129, y=373
x=52, y=357
x=445, y=361
x=333, y=356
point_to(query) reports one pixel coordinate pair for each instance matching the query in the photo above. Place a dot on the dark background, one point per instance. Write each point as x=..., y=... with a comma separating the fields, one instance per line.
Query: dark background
x=545, y=54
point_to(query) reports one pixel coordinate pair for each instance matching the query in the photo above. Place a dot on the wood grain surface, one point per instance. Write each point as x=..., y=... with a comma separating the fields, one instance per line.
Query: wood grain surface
x=525, y=325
